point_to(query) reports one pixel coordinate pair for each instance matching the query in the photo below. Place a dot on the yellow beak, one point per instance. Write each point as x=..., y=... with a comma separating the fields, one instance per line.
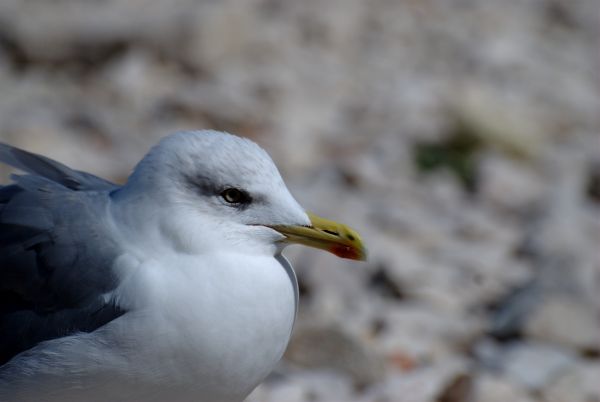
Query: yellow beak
x=327, y=235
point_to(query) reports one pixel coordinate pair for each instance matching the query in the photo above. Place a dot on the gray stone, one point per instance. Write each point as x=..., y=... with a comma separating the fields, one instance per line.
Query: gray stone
x=492, y=388
x=578, y=384
x=566, y=321
x=425, y=384
x=536, y=365
x=331, y=347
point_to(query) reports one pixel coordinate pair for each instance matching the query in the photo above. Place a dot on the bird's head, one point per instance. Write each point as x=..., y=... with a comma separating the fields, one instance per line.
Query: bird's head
x=209, y=181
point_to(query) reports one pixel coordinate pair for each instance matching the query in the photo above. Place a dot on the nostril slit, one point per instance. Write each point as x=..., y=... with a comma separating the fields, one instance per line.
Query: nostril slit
x=331, y=232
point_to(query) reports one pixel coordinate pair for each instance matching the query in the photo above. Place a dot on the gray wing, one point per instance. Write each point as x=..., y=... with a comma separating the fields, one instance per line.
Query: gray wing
x=55, y=254
x=54, y=171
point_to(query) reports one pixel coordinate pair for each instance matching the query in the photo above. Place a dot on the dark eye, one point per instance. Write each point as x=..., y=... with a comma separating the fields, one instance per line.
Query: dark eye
x=235, y=196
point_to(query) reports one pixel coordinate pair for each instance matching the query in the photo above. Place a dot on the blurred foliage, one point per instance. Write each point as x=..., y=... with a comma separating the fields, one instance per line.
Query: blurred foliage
x=457, y=153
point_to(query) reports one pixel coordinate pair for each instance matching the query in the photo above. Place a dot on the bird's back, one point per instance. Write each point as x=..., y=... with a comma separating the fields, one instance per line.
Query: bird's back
x=50, y=223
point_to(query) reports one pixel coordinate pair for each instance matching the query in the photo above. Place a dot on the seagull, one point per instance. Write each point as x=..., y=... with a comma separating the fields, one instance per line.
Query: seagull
x=172, y=287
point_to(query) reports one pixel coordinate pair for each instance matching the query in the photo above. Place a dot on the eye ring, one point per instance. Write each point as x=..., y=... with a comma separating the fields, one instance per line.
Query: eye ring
x=234, y=196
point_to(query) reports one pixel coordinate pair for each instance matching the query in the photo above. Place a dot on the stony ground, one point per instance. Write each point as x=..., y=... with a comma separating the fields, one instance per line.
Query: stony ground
x=460, y=137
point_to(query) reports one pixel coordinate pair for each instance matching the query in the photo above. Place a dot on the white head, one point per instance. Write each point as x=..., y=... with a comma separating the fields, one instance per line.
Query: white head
x=215, y=189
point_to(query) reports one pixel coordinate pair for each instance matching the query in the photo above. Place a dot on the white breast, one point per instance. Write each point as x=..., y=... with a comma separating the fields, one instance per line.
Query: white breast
x=217, y=323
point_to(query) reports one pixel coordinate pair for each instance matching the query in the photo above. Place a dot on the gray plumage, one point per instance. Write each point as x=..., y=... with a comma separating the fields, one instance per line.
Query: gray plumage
x=54, y=255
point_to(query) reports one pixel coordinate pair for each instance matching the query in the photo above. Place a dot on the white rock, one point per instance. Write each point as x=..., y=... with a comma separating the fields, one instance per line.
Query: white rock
x=283, y=391
x=536, y=365
x=330, y=347
x=578, y=384
x=510, y=184
x=566, y=321
x=420, y=385
x=490, y=388
x=425, y=334
x=299, y=385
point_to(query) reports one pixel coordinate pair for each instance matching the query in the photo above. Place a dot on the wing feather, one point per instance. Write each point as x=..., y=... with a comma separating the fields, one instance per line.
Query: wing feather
x=54, y=171
x=55, y=253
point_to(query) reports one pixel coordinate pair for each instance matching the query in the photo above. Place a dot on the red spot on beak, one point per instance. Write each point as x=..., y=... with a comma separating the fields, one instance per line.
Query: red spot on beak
x=345, y=252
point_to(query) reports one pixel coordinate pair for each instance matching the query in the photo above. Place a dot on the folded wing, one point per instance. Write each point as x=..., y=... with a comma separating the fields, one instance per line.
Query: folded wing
x=56, y=253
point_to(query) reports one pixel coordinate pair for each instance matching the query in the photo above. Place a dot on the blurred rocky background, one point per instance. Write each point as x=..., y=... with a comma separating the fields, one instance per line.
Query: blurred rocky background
x=460, y=137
